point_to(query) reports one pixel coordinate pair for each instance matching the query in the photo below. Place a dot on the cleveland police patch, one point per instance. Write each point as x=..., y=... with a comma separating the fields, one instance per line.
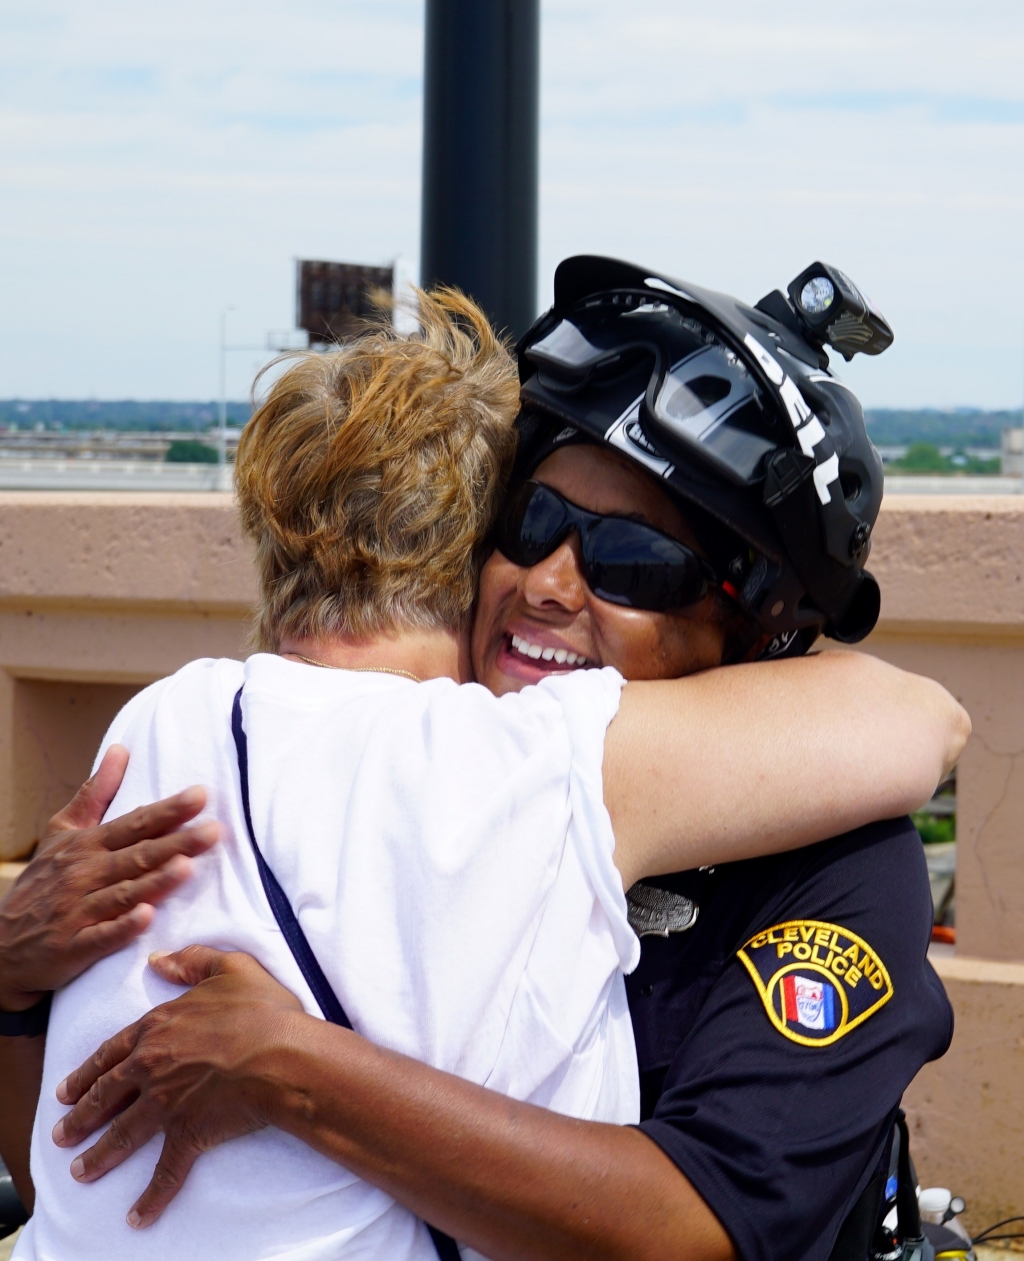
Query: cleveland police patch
x=817, y=981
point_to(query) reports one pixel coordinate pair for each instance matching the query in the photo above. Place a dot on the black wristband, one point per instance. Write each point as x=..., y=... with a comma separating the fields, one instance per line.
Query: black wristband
x=29, y=1023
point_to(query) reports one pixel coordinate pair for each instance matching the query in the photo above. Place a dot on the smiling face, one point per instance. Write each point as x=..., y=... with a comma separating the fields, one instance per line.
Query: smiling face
x=550, y=608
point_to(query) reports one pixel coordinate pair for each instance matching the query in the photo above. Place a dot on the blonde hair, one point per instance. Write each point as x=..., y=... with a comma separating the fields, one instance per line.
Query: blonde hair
x=369, y=477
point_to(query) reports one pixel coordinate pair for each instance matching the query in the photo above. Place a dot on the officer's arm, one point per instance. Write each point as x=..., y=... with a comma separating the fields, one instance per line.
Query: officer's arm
x=756, y=759
x=516, y=1182
x=89, y=889
x=512, y=1180
x=21, y=1071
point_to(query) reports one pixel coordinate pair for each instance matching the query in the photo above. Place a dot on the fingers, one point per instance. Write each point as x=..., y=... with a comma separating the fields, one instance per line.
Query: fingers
x=129, y=1131
x=99, y=940
x=195, y=964
x=74, y=1087
x=191, y=965
x=116, y=899
x=147, y=872
x=148, y=855
x=101, y=790
x=154, y=820
x=91, y=802
x=176, y=1159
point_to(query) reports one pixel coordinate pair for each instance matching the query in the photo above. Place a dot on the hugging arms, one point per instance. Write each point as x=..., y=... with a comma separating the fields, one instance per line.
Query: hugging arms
x=237, y=1052
x=716, y=1072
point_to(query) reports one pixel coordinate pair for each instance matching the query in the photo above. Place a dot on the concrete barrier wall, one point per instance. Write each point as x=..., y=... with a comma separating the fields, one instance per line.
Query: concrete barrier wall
x=102, y=593
x=966, y=1111
x=952, y=577
x=99, y=595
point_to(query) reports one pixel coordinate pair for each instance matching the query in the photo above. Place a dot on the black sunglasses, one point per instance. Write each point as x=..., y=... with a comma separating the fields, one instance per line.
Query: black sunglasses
x=624, y=561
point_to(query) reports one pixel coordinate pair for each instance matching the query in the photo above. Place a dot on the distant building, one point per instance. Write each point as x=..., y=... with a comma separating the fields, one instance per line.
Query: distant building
x=1010, y=452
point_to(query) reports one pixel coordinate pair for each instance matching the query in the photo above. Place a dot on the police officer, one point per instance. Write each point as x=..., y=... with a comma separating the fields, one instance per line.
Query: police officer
x=781, y=1005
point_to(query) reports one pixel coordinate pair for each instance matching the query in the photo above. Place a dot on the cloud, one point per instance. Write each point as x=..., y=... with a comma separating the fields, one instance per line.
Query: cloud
x=161, y=162
x=939, y=108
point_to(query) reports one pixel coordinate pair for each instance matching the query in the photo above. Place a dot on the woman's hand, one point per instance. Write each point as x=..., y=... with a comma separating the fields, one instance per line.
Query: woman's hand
x=91, y=887
x=195, y=1068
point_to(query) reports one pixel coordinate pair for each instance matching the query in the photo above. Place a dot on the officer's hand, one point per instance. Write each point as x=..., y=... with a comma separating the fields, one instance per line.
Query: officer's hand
x=189, y=1068
x=91, y=888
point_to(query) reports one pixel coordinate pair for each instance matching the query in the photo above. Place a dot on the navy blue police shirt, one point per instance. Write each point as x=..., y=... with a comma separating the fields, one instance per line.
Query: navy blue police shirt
x=776, y=1035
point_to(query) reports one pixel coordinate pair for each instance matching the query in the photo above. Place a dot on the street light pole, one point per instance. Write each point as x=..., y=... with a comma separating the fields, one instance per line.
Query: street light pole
x=480, y=124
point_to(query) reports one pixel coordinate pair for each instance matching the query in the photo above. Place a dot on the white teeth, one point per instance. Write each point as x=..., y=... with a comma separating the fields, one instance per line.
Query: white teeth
x=561, y=656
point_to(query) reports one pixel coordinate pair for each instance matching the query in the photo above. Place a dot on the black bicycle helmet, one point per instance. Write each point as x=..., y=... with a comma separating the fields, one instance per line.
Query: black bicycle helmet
x=734, y=409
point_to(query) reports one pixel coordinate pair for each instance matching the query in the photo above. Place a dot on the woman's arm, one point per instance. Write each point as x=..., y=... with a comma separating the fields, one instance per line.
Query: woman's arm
x=755, y=759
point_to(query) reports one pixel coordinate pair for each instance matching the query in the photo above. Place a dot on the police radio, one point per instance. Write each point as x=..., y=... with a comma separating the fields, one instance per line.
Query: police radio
x=914, y=1225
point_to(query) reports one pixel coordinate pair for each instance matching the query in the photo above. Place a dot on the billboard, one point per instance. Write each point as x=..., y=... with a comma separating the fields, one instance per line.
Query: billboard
x=334, y=298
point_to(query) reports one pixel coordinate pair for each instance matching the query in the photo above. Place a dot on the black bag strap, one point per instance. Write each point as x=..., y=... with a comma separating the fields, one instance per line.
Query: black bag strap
x=908, y=1213
x=446, y=1247
x=326, y=998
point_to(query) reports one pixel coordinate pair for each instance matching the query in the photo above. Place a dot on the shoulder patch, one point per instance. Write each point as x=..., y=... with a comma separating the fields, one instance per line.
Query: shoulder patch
x=817, y=981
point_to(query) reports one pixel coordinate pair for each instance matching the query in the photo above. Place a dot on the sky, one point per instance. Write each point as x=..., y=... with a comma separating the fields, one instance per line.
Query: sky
x=162, y=163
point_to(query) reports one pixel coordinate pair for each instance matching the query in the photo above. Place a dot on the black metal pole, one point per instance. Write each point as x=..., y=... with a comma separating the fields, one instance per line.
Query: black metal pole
x=480, y=118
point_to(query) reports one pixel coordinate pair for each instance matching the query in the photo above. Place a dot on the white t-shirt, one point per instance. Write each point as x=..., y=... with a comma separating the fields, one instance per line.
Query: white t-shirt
x=449, y=856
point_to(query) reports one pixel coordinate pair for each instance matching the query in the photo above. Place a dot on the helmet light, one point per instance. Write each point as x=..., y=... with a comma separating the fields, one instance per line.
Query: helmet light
x=834, y=311
x=816, y=296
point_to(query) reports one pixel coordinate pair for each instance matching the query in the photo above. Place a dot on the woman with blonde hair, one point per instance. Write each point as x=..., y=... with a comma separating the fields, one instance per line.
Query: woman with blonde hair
x=442, y=867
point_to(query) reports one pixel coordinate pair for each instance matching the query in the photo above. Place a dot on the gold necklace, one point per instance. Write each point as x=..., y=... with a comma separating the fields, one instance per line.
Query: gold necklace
x=326, y=665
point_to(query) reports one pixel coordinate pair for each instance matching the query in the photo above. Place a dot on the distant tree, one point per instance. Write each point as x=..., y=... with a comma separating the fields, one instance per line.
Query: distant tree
x=923, y=457
x=124, y=414
x=965, y=426
x=935, y=829
x=973, y=465
x=190, y=451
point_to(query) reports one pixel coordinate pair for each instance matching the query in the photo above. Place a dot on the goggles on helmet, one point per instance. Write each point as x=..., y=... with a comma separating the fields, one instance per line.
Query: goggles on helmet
x=693, y=393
